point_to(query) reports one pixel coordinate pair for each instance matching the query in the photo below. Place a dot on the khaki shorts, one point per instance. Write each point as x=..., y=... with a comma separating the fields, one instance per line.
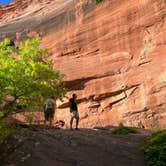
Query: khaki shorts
x=75, y=114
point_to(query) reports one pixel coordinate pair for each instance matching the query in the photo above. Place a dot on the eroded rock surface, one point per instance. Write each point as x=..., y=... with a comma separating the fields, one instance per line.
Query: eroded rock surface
x=113, y=55
x=86, y=147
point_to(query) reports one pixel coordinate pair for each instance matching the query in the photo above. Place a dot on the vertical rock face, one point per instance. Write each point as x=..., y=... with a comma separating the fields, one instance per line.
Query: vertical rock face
x=113, y=55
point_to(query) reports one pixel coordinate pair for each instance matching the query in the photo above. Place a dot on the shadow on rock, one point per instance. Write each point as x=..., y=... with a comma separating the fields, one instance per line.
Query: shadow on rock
x=85, y=147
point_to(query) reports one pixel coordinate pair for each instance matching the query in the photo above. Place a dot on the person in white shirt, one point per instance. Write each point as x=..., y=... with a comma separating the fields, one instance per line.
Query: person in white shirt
x=49, y=110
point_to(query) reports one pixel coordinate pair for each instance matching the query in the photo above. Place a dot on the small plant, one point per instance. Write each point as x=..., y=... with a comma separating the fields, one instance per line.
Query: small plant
x=98, y=1
x=124, y=130
x=155, y=149
x=30, y=121
x=5, y=131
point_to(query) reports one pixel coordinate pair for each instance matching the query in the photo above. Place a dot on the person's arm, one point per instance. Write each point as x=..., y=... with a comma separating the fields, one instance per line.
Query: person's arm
x=44, y=107
x=54, y=104
x=70, y=104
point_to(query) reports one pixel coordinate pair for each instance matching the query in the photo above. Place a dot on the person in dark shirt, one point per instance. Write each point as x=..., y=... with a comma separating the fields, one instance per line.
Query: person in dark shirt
x=74, y=111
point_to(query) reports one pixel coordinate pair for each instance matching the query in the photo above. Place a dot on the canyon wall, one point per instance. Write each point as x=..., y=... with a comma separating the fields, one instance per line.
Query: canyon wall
x=113, y=55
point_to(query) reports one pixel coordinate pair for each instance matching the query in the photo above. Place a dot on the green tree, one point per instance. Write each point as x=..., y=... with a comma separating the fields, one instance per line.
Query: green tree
x=26, y=79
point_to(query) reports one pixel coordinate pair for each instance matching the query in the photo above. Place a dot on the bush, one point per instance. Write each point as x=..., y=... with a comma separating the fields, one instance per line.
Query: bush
x=5, y=131
x=124, y=130
x=98, y=1
x=155, y=149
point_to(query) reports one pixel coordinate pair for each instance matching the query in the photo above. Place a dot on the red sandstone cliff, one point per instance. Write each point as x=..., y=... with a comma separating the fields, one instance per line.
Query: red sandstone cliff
x=113, y=55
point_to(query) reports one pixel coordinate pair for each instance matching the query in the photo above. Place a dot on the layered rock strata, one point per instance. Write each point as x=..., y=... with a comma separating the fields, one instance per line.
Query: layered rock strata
x=113, y=55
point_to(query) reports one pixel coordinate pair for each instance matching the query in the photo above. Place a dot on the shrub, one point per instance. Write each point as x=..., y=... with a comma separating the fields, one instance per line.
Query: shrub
x=98, y=1
x=124, y=130
x=5, y=131
x=155, y=149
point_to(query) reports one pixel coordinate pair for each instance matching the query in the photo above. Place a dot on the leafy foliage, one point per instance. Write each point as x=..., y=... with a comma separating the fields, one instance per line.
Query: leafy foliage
x=26, y=79
x=124, y=130
x=98, y=1
x=155, y=149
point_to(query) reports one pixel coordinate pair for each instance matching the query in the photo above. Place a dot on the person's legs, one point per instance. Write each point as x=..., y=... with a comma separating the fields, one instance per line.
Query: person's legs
x=51, y=117
x=45, y=117
x=71, y=122
x=50, y=121
x=77, y=122
x=74, y=115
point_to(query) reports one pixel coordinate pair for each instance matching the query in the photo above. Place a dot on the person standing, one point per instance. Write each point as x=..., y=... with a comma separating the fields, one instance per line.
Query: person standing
x=74, y=111
x=49, y=110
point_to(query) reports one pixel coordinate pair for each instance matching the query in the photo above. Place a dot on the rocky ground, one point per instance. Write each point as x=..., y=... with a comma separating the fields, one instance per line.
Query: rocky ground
x=85, y=147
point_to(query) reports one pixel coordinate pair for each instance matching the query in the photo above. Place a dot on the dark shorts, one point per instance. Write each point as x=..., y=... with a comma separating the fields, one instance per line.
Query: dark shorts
x=49, y=114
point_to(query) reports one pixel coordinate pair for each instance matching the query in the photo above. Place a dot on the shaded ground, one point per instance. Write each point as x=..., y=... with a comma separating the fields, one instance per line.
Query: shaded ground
x=86, y=147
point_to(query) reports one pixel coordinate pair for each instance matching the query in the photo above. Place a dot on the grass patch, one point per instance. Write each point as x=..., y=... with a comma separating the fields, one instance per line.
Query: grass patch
x=124, y=130
x=155, y=149
x=5, y=131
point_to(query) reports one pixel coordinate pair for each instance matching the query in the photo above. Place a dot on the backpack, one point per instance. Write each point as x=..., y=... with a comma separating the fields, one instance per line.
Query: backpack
x=49, y=105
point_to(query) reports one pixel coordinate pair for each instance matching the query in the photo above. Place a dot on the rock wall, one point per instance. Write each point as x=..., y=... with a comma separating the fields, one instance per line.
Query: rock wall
x=113, y=55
